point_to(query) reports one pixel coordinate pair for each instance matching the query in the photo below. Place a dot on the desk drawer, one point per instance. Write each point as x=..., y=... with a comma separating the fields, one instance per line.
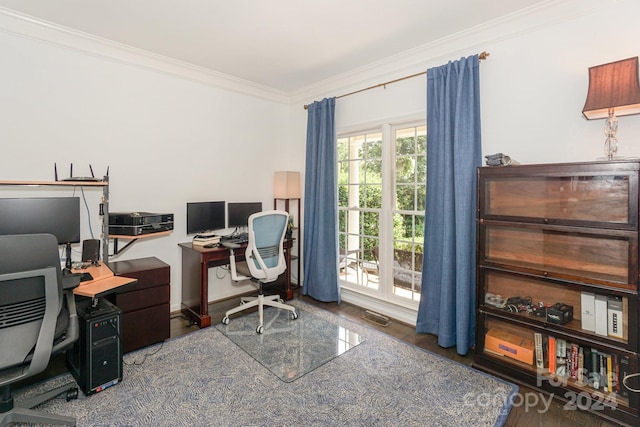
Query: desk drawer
x=150, y=272
x=143, y=298
x=145, y=327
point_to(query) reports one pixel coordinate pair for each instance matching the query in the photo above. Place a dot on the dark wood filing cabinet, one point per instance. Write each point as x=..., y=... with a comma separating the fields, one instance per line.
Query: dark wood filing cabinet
x=145, y=305
x=557, y=281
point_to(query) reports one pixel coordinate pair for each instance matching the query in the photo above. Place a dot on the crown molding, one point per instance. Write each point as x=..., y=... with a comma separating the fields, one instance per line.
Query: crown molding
x=32, y=28
x=468, y=42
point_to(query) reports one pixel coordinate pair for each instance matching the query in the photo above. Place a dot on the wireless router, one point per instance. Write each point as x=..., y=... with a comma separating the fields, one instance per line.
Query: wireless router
x=91, y=178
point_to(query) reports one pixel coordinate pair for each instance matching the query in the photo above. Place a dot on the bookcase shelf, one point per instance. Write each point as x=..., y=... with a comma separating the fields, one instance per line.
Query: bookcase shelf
x=561, y=234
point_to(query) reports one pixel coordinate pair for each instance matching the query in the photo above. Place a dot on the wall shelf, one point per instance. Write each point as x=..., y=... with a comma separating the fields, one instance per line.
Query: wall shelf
x=57, y=183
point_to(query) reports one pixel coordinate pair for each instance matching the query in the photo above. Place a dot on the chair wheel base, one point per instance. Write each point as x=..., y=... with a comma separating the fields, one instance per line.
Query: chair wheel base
x=72, y=394
x=260, y=329
x=225, y=320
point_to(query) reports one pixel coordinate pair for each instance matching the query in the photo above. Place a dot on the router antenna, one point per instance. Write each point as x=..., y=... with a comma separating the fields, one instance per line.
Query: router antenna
x=55, y=171
x=91, y=169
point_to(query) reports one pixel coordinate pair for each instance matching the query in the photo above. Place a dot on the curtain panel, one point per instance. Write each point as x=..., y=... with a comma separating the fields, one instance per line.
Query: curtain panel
x=454, y=152
x=320, y=259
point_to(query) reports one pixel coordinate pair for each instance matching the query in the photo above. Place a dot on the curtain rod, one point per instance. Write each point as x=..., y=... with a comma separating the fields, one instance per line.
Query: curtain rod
x=481, y=56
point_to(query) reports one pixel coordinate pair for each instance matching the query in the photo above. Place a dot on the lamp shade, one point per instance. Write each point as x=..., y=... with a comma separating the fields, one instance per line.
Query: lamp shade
x=613, y=86
x=286, y=185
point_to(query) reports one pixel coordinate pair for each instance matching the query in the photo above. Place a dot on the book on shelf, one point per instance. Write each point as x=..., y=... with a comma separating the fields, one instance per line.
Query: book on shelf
x=614, y=316
x=601, y=315
x=581, y=368
x=609, y=374
x=561, y=357
x=595, y=369
x=552, y=355
x=587, y=308
x=573, y=369
x=539, y=350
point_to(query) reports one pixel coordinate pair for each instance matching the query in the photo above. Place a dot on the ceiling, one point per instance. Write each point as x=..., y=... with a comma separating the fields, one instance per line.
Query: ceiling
x=285, y=45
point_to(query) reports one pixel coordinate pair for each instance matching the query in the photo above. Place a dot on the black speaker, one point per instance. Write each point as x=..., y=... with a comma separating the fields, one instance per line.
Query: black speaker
x=91, y=250
x=96, y=358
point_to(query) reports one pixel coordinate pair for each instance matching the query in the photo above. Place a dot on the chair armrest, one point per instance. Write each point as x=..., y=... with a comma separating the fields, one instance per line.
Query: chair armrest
x=72, y=333
x=70, y=281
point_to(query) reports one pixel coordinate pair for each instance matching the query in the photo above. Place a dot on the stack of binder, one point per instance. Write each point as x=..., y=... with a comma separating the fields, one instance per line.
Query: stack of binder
x=205, y=239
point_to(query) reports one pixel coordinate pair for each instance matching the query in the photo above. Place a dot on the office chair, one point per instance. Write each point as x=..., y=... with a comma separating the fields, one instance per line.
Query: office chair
x=265, y=261
x=37, y=319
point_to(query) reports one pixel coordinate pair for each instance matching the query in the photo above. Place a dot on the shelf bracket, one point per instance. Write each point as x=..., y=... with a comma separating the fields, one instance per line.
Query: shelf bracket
x=117, y=251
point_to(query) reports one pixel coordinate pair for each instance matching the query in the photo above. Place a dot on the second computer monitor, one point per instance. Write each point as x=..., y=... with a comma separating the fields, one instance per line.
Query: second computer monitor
x=204, y=217
x=238, y=213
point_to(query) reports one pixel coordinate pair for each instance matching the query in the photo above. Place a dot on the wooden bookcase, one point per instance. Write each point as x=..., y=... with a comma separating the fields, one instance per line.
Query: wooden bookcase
x=561, y=233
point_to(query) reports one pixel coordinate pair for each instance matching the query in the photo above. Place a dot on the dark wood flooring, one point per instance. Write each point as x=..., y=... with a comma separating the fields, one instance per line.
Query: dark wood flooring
x=521, y=415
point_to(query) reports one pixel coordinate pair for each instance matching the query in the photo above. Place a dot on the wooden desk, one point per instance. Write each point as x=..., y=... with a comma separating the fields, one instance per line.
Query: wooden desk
x=196, y=261
x=103, y=281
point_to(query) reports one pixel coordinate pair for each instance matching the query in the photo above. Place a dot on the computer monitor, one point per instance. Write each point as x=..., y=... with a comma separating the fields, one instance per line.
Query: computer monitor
x=204, y=216
x=238, y=213
x=59, y=216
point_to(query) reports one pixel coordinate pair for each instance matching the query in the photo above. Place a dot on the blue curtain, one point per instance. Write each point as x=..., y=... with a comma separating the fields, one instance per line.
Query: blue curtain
x=321, y=204
x=447, y=303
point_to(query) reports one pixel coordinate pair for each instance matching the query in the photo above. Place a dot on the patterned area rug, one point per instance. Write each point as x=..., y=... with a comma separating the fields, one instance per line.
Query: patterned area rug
x=204, y=379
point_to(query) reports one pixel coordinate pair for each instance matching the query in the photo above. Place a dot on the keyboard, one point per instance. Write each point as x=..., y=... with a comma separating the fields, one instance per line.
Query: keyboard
x=236, y=239
x=86, y=277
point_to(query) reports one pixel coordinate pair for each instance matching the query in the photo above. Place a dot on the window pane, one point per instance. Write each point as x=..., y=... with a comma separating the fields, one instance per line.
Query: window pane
x=405, y=169
x=405, y=197
x=343, y=149
x=372, y=171
x=343, y=198
x=421, y=198
x=371, y=196
x=371, y=225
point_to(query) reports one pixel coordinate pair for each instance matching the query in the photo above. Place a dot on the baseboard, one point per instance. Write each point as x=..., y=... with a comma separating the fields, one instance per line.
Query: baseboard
x=394, y=311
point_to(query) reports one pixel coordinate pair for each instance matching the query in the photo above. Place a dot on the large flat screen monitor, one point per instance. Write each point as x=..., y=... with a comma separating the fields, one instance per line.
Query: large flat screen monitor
x=204, y=217
x=59, y=216
x=238, y=213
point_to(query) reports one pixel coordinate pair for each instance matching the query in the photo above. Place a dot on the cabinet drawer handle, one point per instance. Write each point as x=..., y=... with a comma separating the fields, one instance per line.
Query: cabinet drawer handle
x=546, y=220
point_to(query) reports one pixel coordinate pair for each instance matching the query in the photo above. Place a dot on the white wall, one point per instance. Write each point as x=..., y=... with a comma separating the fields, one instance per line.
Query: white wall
x=166, y=140
x=169, y=139
x=533, y=86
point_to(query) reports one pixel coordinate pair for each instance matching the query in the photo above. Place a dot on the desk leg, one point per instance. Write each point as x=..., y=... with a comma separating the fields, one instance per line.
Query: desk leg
x=204, y=296
x=195, y=282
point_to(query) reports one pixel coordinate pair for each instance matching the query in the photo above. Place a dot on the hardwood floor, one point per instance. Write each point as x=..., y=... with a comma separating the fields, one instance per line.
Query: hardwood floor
x=530, y=408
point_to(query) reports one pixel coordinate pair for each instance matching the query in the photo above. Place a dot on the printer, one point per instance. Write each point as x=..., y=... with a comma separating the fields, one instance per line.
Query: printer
x=139, y=223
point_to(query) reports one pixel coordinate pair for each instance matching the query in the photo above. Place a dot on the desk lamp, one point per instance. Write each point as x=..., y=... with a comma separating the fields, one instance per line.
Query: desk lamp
x=613, y=91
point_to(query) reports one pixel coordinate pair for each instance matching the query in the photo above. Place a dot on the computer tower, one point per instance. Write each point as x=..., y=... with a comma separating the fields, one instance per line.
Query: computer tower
x=96, y=358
